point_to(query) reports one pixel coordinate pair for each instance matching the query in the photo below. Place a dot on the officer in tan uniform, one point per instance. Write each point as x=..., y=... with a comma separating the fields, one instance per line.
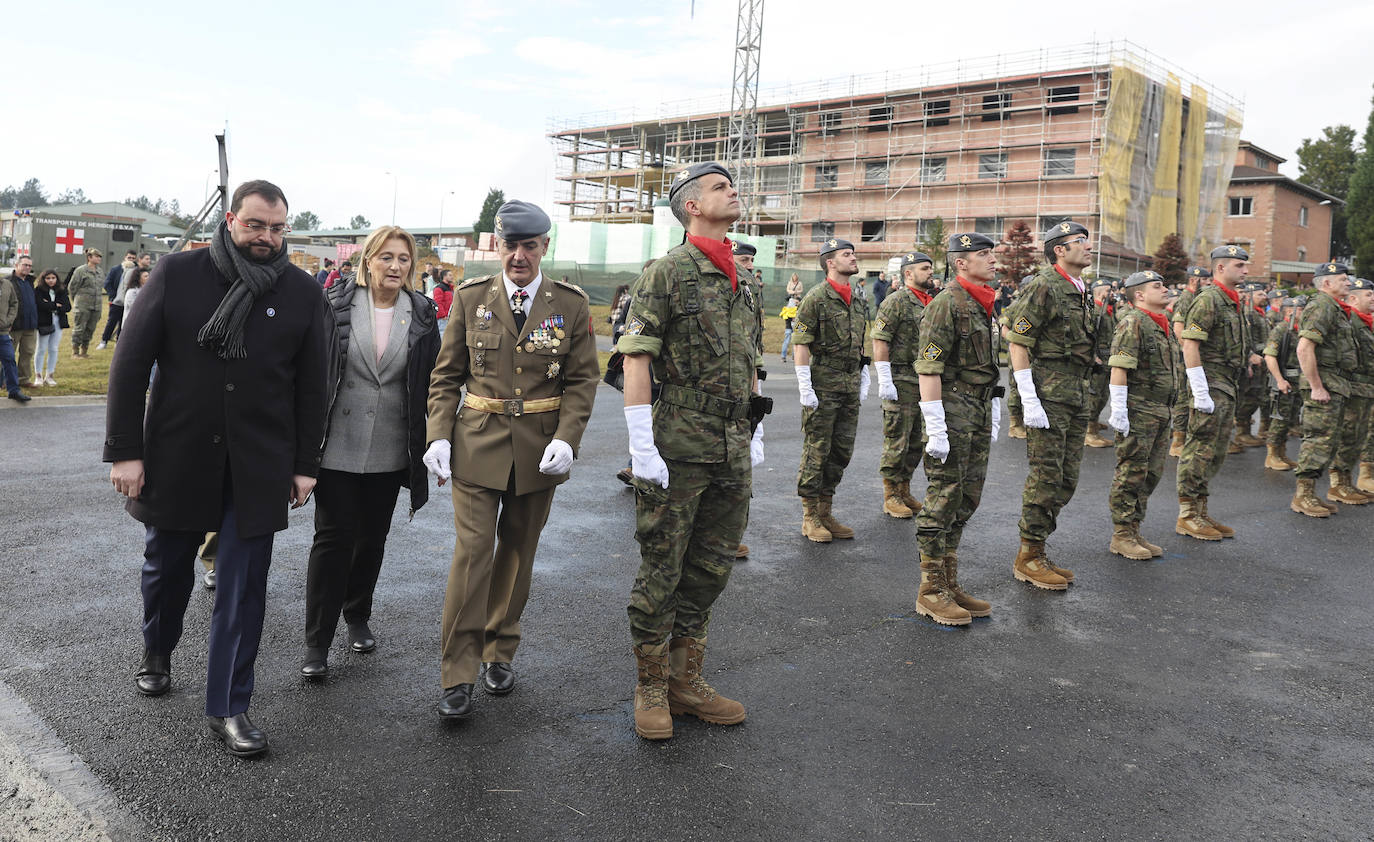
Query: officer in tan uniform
x=522, y=347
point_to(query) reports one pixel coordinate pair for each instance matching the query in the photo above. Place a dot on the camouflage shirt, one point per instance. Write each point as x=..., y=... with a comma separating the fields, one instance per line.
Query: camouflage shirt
x=1259, y=330
x=1105, y=318
x=834, y=333
x=1185, y=300
x=1216, y=321
x=703, y=337
x=1362, y=381
x=1327, y=325
x=86, y=287
x=1055, y=322
x=899, y=324
x=1151, y=361
x=958, y=339
x=1283, y=346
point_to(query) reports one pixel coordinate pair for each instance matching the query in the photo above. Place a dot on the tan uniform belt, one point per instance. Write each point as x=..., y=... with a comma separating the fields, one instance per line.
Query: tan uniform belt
x=514, y=406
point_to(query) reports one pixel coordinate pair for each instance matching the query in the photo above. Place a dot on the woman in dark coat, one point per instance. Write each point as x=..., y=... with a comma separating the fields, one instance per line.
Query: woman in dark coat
x=53, y=304
x=386, y=341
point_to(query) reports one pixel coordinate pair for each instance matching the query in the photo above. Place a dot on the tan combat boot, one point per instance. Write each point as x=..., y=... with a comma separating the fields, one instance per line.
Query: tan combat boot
x=836, y=529
x=1192, y=523
x=911, y=502
x=1124, y=544
x=742, y=551
x=1235, y=446
x=1176, y=446
x=1226, y=531
x=973, y=605
x=934, y=600
x=1156, y=551
x=688, y=692
x=1032, y=566
x=1343, y=492
x=1277, y=460
x=1017, y=430
x=1093, y=438
x=1263, y=432
x=1305, y=500
x=652, y=718
x=1366, y=480
x=812, y=527
x=893, y=505
x=1243, y=437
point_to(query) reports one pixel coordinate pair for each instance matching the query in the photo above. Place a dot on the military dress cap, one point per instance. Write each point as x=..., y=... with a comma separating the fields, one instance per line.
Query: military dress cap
x=1199, y=272
x=1138, y=278
x=1067, y=228
x=1324, y=269
x=969, y=242
x=1223, y=252
x=911, y=258
x=737, y=247
x=835, y=244
x=517, y=220
x=1360, y=283
x=694, y=172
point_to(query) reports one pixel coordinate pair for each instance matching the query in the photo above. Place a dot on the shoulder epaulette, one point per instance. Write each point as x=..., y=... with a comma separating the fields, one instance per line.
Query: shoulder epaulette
x=574, y=287
x=475, y=281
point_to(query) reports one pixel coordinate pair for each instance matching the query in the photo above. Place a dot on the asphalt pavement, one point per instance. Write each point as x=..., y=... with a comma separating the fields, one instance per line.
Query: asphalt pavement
x=1222, y=691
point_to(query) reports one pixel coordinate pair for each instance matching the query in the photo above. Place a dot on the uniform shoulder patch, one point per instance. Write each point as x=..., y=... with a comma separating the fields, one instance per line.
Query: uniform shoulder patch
x=801, y=327
x=634, y=327
x=931, y=352
x=1022, y=325
x=475, y=281
x=879, y=324
x=572, y=286
x=1195, y=326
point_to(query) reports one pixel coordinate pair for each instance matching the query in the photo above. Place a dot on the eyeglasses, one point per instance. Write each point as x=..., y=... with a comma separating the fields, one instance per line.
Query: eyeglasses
x=1074, y=240
x=259, y=227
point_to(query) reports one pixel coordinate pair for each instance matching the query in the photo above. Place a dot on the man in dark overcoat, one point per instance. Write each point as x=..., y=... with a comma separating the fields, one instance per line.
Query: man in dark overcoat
x=232, y=434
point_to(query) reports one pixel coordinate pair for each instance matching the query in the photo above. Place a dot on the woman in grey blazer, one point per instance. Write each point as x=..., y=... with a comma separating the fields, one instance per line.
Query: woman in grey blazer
x=386, y=338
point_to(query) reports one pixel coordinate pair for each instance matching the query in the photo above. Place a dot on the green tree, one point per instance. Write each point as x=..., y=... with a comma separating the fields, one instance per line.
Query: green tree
x=358, y=223
x=31, y=195
x=1360, y=207
x=305, y=221
x=933, y=242
x=1171, y=260
x=486, y=220
x=1018, y=251
x=73, y=196
x=1327, y=164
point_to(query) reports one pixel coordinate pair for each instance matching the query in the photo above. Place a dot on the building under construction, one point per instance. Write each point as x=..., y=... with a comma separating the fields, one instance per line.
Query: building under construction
x=1106, y=134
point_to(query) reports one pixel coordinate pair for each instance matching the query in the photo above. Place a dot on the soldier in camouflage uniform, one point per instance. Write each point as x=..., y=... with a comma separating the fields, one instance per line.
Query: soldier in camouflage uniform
x=693, y=317
x=1104, y=325
x=961, y=408
x=896, y=330
x=85, y=289
x=1272, y=308
x=1051, y=355
x=1355, y=417
x=1016, y=425
x=1144, y=360
x=1285, y=400
x=1254, y=379
x=1216, y=348
x=832, y=379
x=1328, y=356
x=744, y=255
x=1199, y=277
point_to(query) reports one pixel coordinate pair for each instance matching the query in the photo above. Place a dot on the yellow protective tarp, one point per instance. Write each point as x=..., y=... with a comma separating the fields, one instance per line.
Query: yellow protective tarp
x=1161, y=219
x=1119, y=138
x=1190, y=184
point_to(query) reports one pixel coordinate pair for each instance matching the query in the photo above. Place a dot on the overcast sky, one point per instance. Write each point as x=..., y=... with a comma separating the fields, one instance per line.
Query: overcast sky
x=123, y=99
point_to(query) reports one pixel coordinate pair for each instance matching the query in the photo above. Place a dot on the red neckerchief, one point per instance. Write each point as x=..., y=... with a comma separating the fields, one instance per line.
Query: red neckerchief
x=920, y=296
x=1259, y=310
x=1345, y=308
x=1234, y=296
x=1065, y=276
x=844, y=290
x=982, y=293
x=1159, y=320
x=721, y=255
x=1367, y=318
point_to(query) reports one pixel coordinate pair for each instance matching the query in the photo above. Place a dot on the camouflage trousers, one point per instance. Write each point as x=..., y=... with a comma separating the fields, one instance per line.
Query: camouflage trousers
x=84, y=322
x=1183, y=397
x=1285, y=412
x=1054, y=456
x=1367, y=449
x=1097, y=385
x=902, y=434
x=1014, y=411
x=1209, y=434
x=1248, y=399
x=955, y=486
x=1354, y=430
x=1139, y=464
x=827, y=443
x=688, y=534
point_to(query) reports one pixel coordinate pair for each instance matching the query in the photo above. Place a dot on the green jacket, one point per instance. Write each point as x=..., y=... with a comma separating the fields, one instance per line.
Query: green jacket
x=9, y=306
x=834, y=332
x=1151, y=360
x=1217, y=322
x=1283, y=346
x=899, y=324
x=1327, y=325
x=1056, y=323
x=1362, y=380
x=86, y=288
x=958, y=339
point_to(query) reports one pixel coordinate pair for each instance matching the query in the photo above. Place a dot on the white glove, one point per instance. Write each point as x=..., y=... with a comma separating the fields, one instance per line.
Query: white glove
x=865, y=379
x=1202, y=396
x=645, y=462
x=437, y=459
x=887, y=390
x=558, y=458
x=996, y=417
x=808, y=395
x=937, y=436
x=1032, y=413
x=1118, y=420
x=756, y=447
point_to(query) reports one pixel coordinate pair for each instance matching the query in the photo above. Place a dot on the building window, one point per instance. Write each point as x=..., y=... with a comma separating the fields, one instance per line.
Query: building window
x=992, y=166
x=778, y=121
x=773, y=179
x=1302, y=254
x=827, y=176
x=775, y=147
x=1302, y=216
x=989, y=225
x=879, y=117
x=1059, y=162
x=935, y=108
x=772, y=200
x=822, y=231
x=1241, y=206
x=830, y=121
x=933, y=170
x=925, y=228
x=1066, y=93
x=873, y=231
x=994, y=105
x=875, y=174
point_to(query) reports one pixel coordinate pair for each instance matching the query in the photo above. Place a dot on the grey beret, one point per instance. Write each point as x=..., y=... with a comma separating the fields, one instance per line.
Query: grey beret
x=517, y=220
x=1067, y=228
x=1199, y=272
x=1325, y=269
x=1138, y=278
x=969, y=242
x=1360, y=283
x=1300, y=301
x=737, y=247
x=911, y=258
x=1223, y=252
x=835, y=244
x=694, y=172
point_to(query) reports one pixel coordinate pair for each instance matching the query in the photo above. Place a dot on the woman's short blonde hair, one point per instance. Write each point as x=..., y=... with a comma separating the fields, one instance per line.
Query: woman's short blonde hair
x=374, y=243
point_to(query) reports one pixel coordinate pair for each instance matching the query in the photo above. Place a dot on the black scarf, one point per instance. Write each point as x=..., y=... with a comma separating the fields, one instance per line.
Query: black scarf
x=223, y=334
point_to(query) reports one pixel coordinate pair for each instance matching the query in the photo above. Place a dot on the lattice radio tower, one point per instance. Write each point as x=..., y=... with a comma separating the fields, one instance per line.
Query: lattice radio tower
x=744, y=105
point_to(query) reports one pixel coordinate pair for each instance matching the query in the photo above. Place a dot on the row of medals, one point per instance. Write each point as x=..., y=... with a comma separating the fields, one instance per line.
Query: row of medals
x=548, y=335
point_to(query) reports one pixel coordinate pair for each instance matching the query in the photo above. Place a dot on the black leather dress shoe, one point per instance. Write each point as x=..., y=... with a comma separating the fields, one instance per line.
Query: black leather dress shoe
x=457, y=702
x=316, y=664
x=498, y=678
x=360, y=637
x=154, y=676
x=20, y=396
x=240, y=735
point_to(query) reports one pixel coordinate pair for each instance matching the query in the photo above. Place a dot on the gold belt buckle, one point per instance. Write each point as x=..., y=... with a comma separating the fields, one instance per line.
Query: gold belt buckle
x=513, y=407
